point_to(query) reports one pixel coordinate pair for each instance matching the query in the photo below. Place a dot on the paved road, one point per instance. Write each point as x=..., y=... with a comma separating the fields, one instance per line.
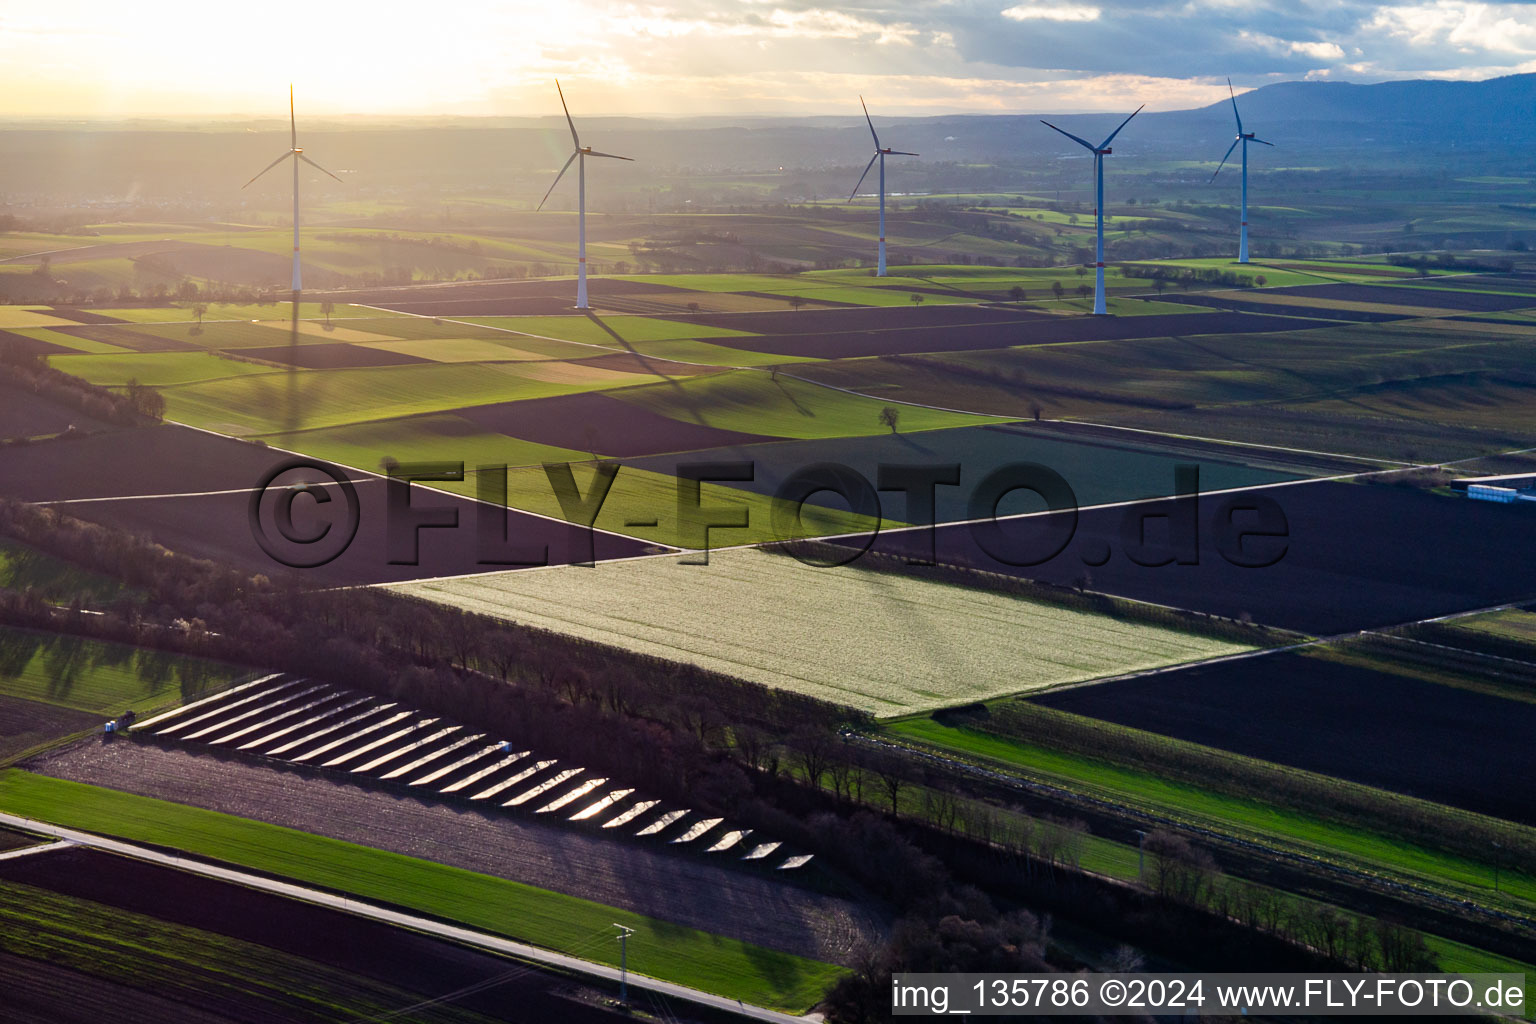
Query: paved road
x=452, y=933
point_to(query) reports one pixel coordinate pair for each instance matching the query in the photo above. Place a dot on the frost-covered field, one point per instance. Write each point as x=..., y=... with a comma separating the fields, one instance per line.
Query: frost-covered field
x=886, y=644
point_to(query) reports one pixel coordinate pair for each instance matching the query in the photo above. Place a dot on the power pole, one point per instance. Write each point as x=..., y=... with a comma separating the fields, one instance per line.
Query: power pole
x=1141, y=840
x=1497, y=849
x=624, y=934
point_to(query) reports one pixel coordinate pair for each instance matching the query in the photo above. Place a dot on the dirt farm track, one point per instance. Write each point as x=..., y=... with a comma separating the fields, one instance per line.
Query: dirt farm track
x=681, y=889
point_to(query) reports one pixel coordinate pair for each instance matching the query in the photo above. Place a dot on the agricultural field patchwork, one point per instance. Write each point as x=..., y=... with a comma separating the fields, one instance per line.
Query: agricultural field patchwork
x=831, y=633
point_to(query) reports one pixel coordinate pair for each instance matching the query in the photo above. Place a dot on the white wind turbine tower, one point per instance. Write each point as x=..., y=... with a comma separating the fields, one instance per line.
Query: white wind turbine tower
x=1244, y=138
x=1099, y=152
x=880, y=154
x=296, y=154
x=579, y=155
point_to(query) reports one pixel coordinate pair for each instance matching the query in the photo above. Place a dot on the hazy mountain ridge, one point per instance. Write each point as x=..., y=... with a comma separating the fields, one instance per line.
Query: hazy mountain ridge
x=1429, y=122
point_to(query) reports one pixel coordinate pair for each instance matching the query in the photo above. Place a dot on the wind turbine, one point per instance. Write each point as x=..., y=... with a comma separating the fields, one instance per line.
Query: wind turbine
x=1244, y=138
x=579, y=155
x=1099, y=152
x=296, y=154
x=880, y=154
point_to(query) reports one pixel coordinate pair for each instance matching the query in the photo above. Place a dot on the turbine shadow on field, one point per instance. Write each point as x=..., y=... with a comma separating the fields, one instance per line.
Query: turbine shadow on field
x=640, y=357
x=802, y=410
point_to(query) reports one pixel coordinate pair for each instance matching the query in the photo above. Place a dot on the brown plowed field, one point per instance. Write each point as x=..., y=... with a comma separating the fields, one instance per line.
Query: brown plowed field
x=1355, y=557
x=80, y=316
x=855, y=340
x=126, y=337
x=687, y=890
x=165, y=459
x=1408, y=295
x=24, y=414
x=25, y=724
x=1440, y=743
x=591, y=421
x=401, y=965
x=34, y=346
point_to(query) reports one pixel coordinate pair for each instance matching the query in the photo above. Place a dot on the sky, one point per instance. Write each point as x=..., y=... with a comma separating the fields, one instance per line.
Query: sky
x=179, y=58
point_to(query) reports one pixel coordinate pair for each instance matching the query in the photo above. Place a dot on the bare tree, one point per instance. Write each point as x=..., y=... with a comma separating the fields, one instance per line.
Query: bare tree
x=890, y=416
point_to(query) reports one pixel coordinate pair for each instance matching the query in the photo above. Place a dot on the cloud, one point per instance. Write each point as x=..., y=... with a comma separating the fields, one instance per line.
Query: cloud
x=1314, y=50
x=1468, y=27
x=661, y=56
x=1036, y=11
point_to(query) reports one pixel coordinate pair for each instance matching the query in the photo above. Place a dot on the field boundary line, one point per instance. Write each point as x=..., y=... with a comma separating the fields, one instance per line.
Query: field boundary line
x=360, y=908
x=27, y=851
x=371, y=475
x=1240, y=444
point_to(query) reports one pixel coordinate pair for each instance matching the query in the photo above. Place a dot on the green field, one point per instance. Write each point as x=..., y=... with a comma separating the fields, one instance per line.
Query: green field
x=755, y=402
x=26, y=568
x=659, y=949
x=1331, y=841
x=827, y=632
x=260, y=403
x=604, y=330
x=105, y=678
x=154, y=368
x=181, y=312
x=636, y=496
x=1512, y=624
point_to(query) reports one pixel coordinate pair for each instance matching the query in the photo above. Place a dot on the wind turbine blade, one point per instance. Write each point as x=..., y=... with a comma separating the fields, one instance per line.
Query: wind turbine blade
x=316, y=166
x=567, y=110
x=269, y=166
x=900, y=152
x=293, y=124
x=610, y=156
x=1234, y=107
x=1261, y=142
x=869, y=122
x=1074, y=138
x=1224, y=159
x=1106, y=142
x=557, y=180
x=867, y=166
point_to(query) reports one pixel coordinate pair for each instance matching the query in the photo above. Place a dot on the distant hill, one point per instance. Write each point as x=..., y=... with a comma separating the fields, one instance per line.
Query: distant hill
x=1449, y=126
x=1508, y=99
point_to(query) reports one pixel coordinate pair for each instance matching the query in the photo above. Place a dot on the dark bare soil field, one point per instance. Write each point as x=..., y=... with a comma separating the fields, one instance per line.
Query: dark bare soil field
x=1441, y=743
x=1099, y=469
x=682, y=889
x=410, y=964
x=590, y=421
x=494, y=298
x=24, y=414
x=1196, y=450
x=35, y=346
x=1351, y=560
x=1319, y=312
x=1408, y=295
x=330, y=357
x=218, y=527
x=1503, y=282
x=164, y=459
x=36, y=991
x=80, y=316
x=860, y=318
x=126, y=337
x=209, y=480
x=25, y=724
x=854, y=341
